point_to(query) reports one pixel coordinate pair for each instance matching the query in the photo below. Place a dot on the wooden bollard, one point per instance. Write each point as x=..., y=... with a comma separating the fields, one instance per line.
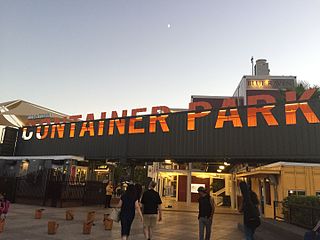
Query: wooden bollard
x=2, y=224
x=69, y=215
x=87, y=226
x=52, y=227
x=91, y=216
x=38, y=213
x=108, y=223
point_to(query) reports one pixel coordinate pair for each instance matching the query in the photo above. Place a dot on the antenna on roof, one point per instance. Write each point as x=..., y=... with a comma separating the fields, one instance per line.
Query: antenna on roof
x=252, y=70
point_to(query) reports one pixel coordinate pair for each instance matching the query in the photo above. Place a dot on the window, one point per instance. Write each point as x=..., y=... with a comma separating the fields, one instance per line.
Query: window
x=296, y=193
x=318, y=194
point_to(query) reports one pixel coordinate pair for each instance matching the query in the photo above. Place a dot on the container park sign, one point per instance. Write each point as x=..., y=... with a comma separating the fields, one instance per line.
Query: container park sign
x=265, y=131
x=159, y=120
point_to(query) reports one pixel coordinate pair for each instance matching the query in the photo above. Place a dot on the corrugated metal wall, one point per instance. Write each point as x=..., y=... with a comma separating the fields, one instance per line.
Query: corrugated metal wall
x=295, y=142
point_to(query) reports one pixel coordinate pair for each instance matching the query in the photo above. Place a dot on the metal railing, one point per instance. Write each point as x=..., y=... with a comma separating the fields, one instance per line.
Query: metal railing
x=300, y=215
x=41, y=189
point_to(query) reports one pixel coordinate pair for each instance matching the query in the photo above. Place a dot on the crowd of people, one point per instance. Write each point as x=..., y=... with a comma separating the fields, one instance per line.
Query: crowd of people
x=148, y=207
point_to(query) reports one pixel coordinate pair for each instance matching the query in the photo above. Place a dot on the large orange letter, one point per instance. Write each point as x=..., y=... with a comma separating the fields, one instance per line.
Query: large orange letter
x=233, y=117
x=191, y=125
x=163, y=123
x=45, y=132
x=59, y=128
x=85, y=129
x=132, y=128
x=265, y=110
x=121, y=126
x=72, y=130
x=291, y=108
x=101, y=128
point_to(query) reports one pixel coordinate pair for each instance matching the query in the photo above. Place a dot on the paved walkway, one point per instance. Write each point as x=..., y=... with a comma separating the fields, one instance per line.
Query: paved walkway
x=172, y=205
x=21, y=225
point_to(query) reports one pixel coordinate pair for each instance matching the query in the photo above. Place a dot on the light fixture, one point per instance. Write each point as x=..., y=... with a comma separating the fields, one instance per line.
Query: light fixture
x=226, y=164
x=219, y=170
x=221, y=167
x=167, y=161
x=101, y=170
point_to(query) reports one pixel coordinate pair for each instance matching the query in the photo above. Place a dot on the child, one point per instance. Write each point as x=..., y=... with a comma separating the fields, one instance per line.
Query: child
x=4, y=206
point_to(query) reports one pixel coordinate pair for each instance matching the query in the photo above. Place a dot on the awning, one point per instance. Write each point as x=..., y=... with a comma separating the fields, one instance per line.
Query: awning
x=259, y=173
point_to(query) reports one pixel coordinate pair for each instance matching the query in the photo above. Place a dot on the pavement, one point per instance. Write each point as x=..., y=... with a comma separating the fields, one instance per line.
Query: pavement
x=172, y=205
x=176, y=224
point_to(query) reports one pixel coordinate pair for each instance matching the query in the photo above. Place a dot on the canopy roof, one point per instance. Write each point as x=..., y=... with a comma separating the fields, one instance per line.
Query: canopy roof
x=17, y=113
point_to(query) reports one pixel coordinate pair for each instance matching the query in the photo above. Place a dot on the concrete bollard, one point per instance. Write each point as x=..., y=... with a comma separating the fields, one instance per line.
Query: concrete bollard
x=91, y=216
x=69, y=215
x=2, y=224
x=87, y=226
x=38, y=213
x=52, y=227
x=108, y=223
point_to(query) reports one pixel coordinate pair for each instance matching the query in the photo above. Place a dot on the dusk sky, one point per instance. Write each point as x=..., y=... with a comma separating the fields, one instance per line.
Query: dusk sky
x=77, y=56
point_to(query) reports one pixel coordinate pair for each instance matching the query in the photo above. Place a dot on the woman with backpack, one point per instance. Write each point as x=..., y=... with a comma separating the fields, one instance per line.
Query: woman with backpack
x=251, y=214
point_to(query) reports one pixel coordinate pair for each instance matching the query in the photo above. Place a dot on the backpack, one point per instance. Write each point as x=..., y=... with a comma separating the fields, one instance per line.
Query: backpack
x=252, y=215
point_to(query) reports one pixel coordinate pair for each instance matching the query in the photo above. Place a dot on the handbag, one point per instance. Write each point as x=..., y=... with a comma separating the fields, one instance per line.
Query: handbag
x=115, y=214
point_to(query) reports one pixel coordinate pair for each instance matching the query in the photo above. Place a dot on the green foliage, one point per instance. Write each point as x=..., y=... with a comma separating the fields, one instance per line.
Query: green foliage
x=302, y=210
x=140, y=175
x=120, y=173
x=301, y=87
x=311, y=201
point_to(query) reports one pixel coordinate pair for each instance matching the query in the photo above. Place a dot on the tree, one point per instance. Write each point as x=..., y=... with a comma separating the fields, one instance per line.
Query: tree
x=301, y=87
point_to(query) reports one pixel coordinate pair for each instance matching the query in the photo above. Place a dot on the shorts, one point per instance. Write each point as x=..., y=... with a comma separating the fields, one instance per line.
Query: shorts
x=150, y=220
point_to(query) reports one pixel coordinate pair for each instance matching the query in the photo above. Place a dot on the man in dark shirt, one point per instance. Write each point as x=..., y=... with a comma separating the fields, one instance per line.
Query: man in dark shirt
x=206, y=211
x=151, y=202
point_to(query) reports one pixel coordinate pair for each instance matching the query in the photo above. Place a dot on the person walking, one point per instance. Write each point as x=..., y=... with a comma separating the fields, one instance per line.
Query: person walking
x=128, y=204
x=4, y=206
x=152, y=212
x=206, y=211
x=251, y=214
x=109, y=192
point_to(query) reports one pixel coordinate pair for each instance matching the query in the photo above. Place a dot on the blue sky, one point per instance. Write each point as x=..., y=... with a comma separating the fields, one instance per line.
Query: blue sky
x=78, y=56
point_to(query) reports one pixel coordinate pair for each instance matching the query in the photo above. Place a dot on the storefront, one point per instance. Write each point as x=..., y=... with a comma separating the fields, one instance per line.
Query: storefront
x=180, y=182
x=276, y=181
